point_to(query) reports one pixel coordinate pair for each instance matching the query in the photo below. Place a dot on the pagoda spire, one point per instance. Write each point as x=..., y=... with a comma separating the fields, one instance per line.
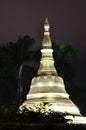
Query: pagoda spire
x=46, y=43
x=47, y=61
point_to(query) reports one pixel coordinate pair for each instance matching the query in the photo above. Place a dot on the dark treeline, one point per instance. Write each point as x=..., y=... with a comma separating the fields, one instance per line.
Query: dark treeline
x=19, y=64
x=13, y=56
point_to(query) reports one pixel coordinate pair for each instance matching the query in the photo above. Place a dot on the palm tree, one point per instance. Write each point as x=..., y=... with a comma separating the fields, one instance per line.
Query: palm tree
x=13, y=56
x=21, y=52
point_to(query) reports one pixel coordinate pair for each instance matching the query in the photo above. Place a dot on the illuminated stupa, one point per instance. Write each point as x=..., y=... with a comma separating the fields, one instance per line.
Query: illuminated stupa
x=47, y=90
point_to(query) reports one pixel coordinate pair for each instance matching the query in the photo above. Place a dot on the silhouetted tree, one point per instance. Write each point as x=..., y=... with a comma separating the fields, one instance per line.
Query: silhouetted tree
x=63, y=56
x=7, y=76
x=12, y=57
x=22, y=53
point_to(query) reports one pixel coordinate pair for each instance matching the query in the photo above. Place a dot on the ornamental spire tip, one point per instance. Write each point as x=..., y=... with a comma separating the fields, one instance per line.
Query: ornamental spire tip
x=46, y=25
x=46, y=21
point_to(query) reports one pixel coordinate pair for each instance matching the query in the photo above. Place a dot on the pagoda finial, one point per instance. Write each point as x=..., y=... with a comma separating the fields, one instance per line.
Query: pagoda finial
x=46, y=20
x=46, y=25
x=46, y=43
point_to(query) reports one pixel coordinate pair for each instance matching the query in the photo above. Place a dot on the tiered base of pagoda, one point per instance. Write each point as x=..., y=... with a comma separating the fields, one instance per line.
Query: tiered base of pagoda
x=53, y=102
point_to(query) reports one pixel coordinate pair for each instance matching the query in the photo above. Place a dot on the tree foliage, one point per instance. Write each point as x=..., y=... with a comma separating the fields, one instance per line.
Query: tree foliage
x=12, y=56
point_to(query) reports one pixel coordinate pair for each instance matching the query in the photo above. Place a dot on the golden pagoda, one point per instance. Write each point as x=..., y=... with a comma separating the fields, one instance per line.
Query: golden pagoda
x=47, y=90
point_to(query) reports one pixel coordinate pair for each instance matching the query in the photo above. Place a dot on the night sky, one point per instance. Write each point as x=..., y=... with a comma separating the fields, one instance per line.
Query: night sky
x=66, y=17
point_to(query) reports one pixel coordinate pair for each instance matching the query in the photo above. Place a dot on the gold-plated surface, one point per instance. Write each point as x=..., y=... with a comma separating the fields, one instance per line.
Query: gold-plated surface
x=47, y=90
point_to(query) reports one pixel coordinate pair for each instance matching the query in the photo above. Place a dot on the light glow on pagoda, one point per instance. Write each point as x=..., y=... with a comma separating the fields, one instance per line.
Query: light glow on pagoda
x=47, y=90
